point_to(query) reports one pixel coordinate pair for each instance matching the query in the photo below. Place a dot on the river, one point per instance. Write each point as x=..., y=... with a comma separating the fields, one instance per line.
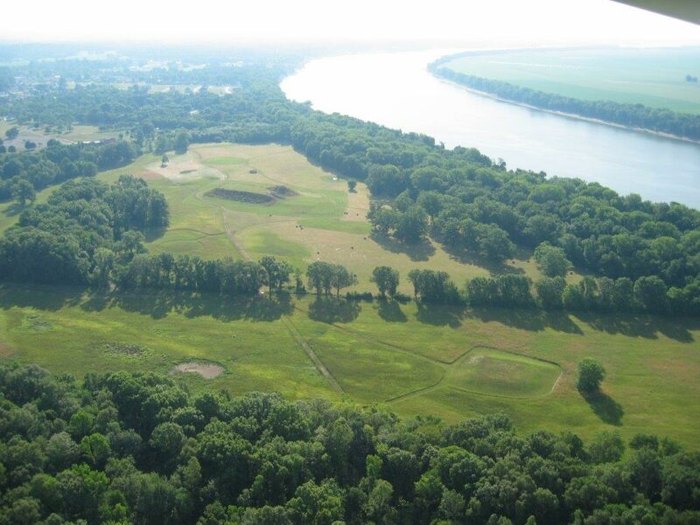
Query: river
x=396, y=90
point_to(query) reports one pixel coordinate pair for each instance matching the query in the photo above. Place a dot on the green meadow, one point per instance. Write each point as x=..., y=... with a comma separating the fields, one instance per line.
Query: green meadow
x=441, y=361
x=653, y=77
x=431, y=360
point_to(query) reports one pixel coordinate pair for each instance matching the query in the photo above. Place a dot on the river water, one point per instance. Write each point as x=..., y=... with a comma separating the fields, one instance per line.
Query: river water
x=396, y=90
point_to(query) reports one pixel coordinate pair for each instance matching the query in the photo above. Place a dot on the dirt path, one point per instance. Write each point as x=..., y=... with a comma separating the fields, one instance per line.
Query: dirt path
x=312, y=355
x=232, y=237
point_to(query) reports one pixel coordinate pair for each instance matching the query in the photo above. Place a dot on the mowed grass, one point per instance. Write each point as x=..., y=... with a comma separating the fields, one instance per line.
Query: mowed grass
x=498, y=373
x=654, y=77
x=445, y=362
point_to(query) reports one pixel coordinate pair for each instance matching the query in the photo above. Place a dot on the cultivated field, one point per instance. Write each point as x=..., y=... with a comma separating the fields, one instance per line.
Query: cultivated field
x=441, y=361
x=653, y=77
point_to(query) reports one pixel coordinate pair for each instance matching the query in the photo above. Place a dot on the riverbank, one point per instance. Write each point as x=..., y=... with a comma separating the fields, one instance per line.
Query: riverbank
x=572, y=116
x=584, y=83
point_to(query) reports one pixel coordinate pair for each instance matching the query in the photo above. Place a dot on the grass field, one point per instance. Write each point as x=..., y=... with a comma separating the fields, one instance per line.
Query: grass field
x=653, y=77
x=441, y=361
x=40, y=136
x=323, y=221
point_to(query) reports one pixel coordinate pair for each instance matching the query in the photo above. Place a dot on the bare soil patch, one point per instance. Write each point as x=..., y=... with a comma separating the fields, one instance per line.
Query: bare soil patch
x=184, y=167
x=241, y=196
x=206, y=370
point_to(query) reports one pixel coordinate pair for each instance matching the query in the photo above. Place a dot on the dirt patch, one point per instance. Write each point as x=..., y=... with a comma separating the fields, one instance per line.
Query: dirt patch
x=282, y=192
x=184, y=167
x=241, y=196
x=127, y=349
x=206, y=370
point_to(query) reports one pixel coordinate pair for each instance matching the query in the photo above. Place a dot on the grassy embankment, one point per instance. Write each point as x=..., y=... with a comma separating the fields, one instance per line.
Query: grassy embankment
x=437, y=361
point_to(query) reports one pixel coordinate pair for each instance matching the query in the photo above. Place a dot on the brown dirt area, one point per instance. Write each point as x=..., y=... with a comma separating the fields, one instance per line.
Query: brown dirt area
x=206, y=370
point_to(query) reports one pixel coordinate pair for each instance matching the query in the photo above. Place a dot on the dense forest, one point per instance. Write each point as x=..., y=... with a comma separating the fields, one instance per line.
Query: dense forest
x=137, y=448
x=684, y=125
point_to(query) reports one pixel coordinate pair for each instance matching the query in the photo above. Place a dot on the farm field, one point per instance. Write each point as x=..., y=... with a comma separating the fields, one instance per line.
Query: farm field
x=653, y=77
x=440, y=361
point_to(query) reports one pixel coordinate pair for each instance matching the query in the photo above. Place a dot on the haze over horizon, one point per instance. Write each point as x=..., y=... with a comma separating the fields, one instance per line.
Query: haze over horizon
x=207, y=22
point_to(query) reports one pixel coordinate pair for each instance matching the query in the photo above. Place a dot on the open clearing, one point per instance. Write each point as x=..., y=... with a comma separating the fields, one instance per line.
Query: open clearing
x=314, y=218
x=443, y=361
x=653, y=77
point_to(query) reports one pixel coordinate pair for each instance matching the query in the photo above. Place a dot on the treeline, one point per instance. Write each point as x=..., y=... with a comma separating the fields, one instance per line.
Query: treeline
x=685, y=125
x=138, y=448
x=647, y=294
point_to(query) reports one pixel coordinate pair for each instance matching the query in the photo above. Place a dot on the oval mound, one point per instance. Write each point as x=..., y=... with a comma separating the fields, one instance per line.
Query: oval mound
x=494, y=372
x=206, y=370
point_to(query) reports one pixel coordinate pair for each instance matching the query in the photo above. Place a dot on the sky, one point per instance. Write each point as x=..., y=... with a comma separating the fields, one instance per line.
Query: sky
x=219, y=21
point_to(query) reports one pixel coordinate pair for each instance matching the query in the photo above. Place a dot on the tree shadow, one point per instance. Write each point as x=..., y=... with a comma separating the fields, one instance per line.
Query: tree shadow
x=41, y=297
x=440, y=314
x=605, y=407
x=531, y=320
x=390, y=311
x=333, y=310
x=561, y=322
x=152, y=234
x=161, y=303
x=646, y=326
x=14, y=209
x=464, y=256
x=419, y=251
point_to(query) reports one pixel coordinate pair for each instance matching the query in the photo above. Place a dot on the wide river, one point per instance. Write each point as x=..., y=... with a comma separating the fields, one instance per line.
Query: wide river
x=396, y=90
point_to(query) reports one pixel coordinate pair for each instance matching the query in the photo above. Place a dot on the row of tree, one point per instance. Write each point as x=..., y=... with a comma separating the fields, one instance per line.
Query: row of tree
x=646, y=294
x=663, y=120
x=137, y=448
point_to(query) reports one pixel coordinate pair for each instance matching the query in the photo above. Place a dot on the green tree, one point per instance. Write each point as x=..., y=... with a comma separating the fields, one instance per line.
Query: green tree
x=341, y=277
x=551, y=260
x=386, y=279
x=23, y=191
x=12, y=133
x=182, y=142
x=278, y=272
x=590, y=375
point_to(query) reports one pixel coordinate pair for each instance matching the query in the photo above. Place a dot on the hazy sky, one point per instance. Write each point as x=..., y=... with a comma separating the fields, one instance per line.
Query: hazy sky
x=234, y=20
